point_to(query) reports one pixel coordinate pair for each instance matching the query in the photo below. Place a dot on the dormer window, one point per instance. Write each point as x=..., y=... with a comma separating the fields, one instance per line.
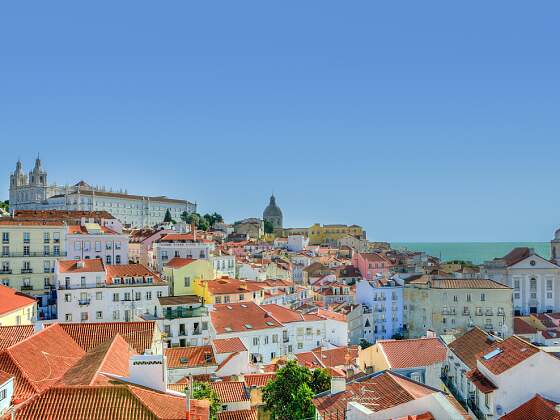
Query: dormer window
x=117, y=280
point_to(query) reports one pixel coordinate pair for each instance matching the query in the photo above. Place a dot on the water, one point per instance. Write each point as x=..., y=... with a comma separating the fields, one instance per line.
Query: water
x=476, y=252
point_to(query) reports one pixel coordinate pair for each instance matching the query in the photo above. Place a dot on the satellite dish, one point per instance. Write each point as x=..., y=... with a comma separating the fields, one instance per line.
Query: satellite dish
x=499, y=410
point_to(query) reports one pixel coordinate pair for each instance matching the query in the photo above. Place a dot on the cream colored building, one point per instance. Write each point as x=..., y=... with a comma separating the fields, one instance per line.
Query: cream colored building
x=453, y=306
x=16, y=308
x=28, y=253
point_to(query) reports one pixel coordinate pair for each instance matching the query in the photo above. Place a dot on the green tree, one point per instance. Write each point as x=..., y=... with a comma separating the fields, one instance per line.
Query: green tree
x=167, y=217
x=320, y=380
x=5, y=205
x=268, y=228
x=289, y=395
x=364, y=344
x=203, y=391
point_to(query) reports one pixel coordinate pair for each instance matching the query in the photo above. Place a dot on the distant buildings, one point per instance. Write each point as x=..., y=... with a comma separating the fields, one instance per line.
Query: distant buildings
x=453, y=306
x=33, y=192
x=372, y=264
x=535, y=281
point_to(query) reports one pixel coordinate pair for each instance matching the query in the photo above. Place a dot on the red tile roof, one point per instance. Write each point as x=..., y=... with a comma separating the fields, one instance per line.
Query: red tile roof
x=10, y=335
x=189, y=357
x=537, y=408
x=8, y=221
x=238, y=317
x=4, y=377
x=516, y=255
x=109, y=357
x=520, y=326
x=250, y=414
x=230, y=391
x=512, y=351
x=283, y=314
x=454, y=283
x=178, y=262
x=470, y=344
x=227, y=286
x=40, y=361
x=337, y=357
x=413, y=352
x=139, y=335
x=258, y=380
x=117, y=402
x=228, y=345
x=480, y=381
x=11, y=300
x=131, y=270
x=377, y=392
x=82, y=266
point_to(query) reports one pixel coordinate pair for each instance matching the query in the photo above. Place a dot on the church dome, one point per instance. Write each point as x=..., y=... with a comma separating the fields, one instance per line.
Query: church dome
x=272, y=213
x=557, y=235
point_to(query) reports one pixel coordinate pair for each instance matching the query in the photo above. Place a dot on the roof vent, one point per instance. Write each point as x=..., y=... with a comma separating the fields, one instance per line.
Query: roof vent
x=248, y=326
x=184, y=360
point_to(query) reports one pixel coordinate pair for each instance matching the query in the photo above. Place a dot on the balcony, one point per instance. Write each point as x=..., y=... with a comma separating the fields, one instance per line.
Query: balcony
x=448, y=382
x=26, y=271
x=488, y=326
x=473, y=406
x=466, y=312
x=83, y=302
x=185, y=313
x=32, y=254
x=5, y=271
x=197, y=332
x=489, y=312
x=27, y=287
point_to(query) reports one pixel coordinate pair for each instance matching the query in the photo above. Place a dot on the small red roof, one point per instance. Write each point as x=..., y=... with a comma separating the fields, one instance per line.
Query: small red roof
x=250, y=414
x=537, y=408
x=230, y=391
x=81, y=266
x=189, y=357
x=131, y=271
x=11, y=300
x=228, y=345
x=481, y=382
x=520, y=326
x=258, y=380
x=178, y=262
x=236, y=317
x=413, y=352
x=510, y=352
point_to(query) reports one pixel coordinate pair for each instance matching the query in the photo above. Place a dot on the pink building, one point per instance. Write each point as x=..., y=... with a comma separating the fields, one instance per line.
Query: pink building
x=91, y=240
x=371, y=263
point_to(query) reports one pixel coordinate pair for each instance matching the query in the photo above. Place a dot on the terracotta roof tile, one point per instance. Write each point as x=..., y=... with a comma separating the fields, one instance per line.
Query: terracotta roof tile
x=10, y=335
x=470, y=344
x=537, y=408
x=227, y=286
x=230, y=391
x=131, y=270
x=228, y=345
x=236, y=317
x=94, y=265
x=40, y=361
x=377, y=392
x=338, y=356
x=177, y=262
x=238, y=415
x=258, y=380
x=10, y=300
x=520, y=326
x=413, y=352
x=480, y=381
x=188, y=357
x=118, y=402
x=511, y=352
x=90, y=335
x=454, y=283
x=109, y=357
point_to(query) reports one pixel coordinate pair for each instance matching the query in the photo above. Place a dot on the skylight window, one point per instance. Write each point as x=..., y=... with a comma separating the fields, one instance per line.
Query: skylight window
x=184, y=360
x=249, y=326
x=270, y=324
x=492, y=354
x=228, y=329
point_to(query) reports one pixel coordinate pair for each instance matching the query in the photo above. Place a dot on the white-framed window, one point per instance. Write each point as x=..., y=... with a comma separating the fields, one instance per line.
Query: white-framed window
x=148, y=295
x=98, y=295
x=99, y=315
x=68, y=317
x=84, y=316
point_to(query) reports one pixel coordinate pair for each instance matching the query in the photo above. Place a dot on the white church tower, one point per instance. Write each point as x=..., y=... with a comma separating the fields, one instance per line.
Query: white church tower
x=27, y=191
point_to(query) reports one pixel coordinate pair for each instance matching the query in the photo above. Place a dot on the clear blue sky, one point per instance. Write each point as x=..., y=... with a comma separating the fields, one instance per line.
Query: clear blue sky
x=421, y=121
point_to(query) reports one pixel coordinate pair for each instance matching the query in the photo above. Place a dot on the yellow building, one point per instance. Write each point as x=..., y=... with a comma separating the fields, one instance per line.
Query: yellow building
x=329, y=234
x=182, y=273
x=28, y=253
x=16, y=308
x=228, y=290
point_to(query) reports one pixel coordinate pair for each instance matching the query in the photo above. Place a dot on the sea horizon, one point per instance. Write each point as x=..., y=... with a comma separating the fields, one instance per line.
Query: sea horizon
x=475, y=252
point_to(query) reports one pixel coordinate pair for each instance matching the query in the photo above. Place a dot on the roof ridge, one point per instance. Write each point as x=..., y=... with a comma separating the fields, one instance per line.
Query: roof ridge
x=113, y=340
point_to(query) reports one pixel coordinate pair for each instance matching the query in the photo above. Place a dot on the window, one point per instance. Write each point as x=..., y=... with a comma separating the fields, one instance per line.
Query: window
x=77, y=246
x=218, y=299
x=5, y=237
x=97, y=246
x=226, y=299
x=255, y=341
x=68, y=317
x=5, y=251
x=84, y=316
x=516, y=284
x=299, y=346
x=3, y=394
x=26, y=237
x=116, y=315
x=116, y=297
x=67, y=297
x=159, y=293
x=82, y=281
x=487, y=400
x=98, y=295
x=468, y=297
x=455, y=298
x=46, y=237
x=275, y=338
x=138, y=296
x=148, y=295
x=549, y=285
x=309, y=331
x=46, y=250
x=117, y=245
x=99, y=315
x=26, y=250
x=482, y=297
x=533, y=283
x=117, y=259
x=187, y=282
x=266, y=339
x=549, y=295
x=108, y=259
x=241, y=296
x=56, y=250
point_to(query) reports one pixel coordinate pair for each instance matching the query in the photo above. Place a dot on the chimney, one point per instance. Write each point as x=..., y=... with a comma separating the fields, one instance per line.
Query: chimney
x=193, y=230
x=148, y=370
x=430, y=334
x=80, y=264
x=338, y=384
